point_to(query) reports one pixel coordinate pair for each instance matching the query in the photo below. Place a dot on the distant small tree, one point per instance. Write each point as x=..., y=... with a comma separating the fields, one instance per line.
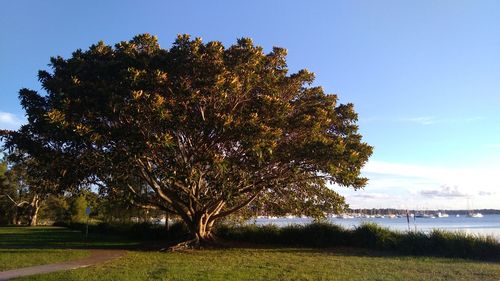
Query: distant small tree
x=199, y=131
x=77, y=209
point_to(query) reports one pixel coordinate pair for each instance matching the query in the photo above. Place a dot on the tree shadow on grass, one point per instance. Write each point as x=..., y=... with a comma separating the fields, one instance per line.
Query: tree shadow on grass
x=60, y=238
x=363, y=252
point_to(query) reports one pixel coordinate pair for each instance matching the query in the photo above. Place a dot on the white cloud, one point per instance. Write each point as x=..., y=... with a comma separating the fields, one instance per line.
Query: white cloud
x=484, y=178
x=430, y=120
x=429, y=187
x=425, y=120
x=444, y=191
x=371, y=195
x=486, y=193
x=10, y=121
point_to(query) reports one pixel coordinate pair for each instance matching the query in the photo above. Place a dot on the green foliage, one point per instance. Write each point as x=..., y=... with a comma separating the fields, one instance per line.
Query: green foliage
x=198, y=130
x=9, y=191
x=450, y=244
x=56, y=209
x=28, y=183
x=77, y=209
x=3, y=169
x=311, y=235
x=119, y=211
x=373, y=236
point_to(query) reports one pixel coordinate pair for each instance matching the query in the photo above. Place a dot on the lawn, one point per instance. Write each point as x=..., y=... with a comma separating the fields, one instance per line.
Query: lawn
x=18, y=258
x=254, y=264
x=27, y=246
x=279, y=264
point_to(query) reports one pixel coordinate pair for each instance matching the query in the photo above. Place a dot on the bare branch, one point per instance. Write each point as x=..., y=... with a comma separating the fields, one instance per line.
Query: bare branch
x=17, y=204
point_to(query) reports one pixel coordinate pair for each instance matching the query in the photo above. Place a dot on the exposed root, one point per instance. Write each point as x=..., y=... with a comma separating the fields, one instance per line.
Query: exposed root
x=193, y=244
x=185, y=245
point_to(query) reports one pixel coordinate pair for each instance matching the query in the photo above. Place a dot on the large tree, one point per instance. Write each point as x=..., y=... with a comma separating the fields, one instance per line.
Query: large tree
x=198, y=130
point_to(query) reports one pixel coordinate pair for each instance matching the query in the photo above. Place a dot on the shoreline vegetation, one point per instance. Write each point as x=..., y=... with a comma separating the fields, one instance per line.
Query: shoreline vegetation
x=437, y=243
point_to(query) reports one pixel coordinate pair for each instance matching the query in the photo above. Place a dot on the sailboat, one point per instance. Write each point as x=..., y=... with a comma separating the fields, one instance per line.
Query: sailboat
x=475, y=215
x=442, y=215
x=471, y=213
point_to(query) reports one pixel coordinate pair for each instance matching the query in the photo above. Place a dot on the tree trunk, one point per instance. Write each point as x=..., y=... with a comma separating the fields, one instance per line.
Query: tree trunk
x=34, y=217
x=201, y=233
x=34, y=208
x=200, y=230
x=167, y=225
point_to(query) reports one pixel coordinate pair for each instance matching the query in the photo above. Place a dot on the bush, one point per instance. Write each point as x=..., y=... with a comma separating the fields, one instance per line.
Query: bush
x=77, y=209
x=311, y=235
x=265, y=234
x=456, y=244
x=373, y=236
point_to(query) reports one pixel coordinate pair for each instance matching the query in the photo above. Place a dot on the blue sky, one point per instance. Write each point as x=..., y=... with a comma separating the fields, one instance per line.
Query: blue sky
x=424, y=75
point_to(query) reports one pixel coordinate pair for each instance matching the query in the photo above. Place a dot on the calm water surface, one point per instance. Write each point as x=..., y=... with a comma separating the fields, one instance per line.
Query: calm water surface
x=487, y=225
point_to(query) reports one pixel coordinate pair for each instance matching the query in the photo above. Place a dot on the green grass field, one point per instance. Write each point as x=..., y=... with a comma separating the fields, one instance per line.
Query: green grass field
x=28, y=246
x=279, y=264
x=230, y=264
x=18, y=258
x=23, y=246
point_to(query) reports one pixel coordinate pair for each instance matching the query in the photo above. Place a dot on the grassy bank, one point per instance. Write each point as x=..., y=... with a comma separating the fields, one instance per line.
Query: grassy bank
x=279, y=264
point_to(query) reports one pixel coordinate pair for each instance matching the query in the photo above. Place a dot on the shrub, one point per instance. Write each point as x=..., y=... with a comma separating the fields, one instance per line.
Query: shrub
x=311, y=235
x=457, y=244
x=265, y=234
x=77, y=209
x=373, y=236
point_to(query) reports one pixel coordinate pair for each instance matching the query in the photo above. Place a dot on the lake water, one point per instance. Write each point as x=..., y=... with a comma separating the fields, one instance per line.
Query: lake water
x=487, y=225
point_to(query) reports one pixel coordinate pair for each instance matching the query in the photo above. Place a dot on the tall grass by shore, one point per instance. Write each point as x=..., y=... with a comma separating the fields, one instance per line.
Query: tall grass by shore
x=370, y=236
x=324, y=235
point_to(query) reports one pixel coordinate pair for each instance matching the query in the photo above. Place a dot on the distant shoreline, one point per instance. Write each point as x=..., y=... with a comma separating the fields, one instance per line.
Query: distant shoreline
x=403, y=211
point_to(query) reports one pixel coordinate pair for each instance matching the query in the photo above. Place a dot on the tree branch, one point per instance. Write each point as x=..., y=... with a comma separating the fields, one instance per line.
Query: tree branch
x=237, y=208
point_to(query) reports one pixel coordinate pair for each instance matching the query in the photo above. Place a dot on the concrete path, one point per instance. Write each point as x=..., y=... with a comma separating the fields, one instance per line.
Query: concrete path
x=96, y=257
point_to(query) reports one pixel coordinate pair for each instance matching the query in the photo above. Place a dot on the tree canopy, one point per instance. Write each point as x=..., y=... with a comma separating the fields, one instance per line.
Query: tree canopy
x=198, y=130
